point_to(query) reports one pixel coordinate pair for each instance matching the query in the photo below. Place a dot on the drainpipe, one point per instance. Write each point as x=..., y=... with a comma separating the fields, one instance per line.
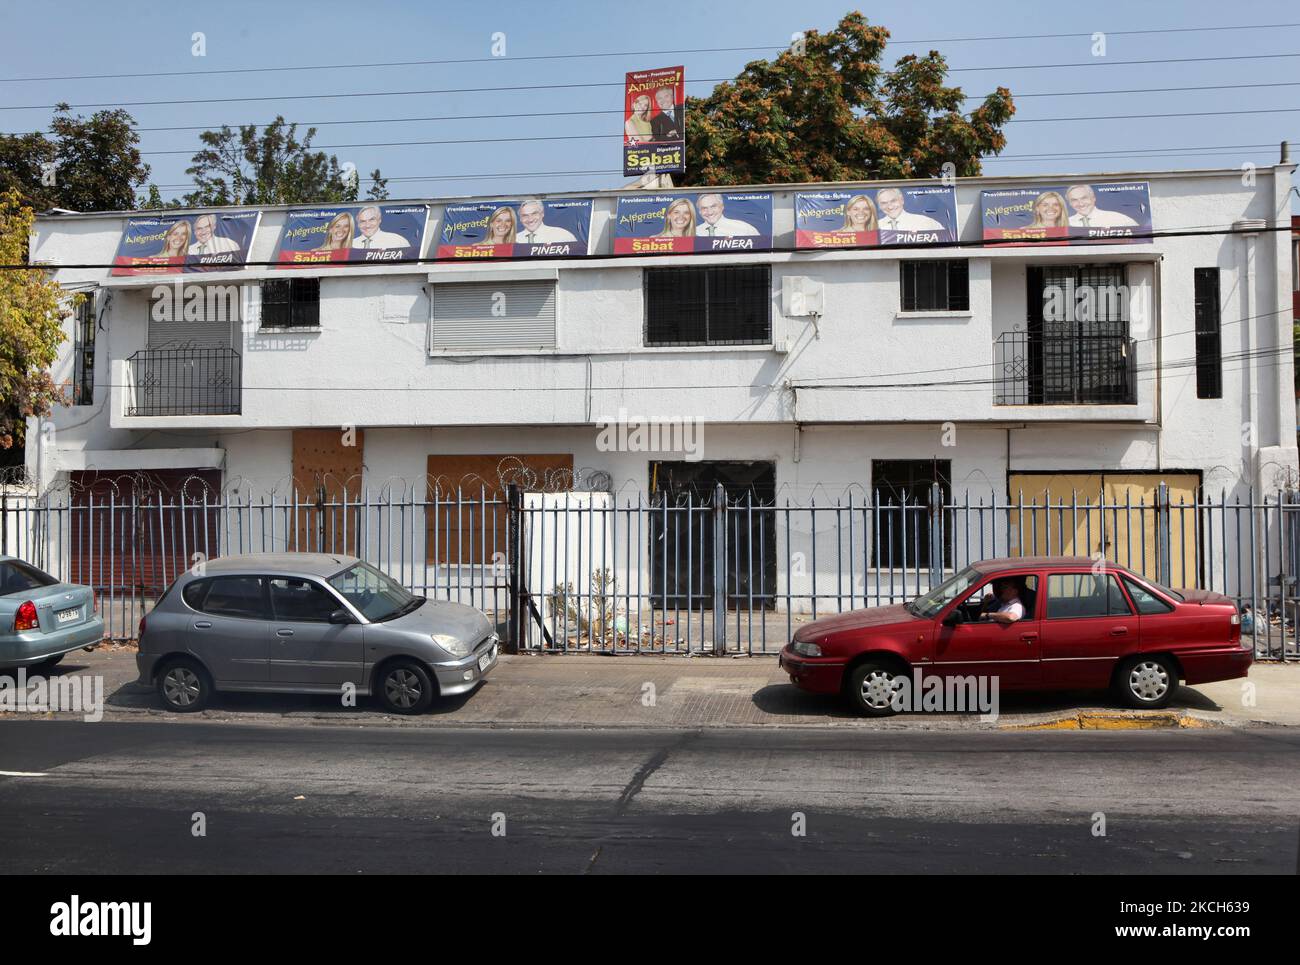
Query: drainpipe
x=1249, y=229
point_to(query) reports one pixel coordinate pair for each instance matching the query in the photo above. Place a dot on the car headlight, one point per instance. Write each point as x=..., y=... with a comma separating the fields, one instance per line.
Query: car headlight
x=453, y=645
x=805, y=649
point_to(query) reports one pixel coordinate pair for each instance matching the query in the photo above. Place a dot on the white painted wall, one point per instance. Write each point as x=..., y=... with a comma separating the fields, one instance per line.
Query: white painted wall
x=369, y=366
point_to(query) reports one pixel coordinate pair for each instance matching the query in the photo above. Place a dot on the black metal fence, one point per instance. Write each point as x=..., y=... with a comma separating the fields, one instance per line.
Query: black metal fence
x=612, y=573
x=184, y=381
x=1050, y=369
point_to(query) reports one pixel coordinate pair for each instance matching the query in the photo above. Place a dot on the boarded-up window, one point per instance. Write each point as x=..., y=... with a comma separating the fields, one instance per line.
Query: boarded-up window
x=327, y=473
x=493, y=315
x=468, y=523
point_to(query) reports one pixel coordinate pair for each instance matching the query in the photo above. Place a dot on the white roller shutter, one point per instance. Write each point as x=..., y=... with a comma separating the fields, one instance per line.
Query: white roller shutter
x=482, y=316
x=208, y=324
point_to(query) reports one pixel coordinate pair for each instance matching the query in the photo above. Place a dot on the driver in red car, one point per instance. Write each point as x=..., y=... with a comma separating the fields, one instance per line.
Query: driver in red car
x=1003, y=605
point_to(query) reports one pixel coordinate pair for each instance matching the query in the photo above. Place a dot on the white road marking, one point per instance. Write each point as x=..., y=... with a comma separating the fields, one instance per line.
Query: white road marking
x=23, y=774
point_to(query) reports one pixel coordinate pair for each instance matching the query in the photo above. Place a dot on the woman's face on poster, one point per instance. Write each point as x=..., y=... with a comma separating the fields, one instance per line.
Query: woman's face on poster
x=641, y=105
x=679, y=216
x=339, y=231
x=502, y=224
x=1048, y=209
x=859, y=214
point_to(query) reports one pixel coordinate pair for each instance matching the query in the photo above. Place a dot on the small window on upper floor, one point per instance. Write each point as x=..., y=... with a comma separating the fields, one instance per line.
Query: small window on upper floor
x=722, y=305
x=291, y=303
x=935, y=286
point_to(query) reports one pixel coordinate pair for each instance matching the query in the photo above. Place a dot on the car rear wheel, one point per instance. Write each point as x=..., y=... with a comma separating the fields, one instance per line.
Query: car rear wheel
x=872, y=686
x=405, y=687
x=1147, y=682
x=184, y=686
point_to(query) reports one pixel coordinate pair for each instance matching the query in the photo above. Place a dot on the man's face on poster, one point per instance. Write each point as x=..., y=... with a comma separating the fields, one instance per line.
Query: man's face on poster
x=368, y=222
x=666, y=98
x=531, y=216
x=711, y=209
x=203, y=230
x=891, y=202
x=1082, y=200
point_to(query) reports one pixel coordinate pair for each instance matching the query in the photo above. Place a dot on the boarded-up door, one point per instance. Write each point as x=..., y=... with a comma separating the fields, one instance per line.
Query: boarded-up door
x=328, y=473
x=1114, y=514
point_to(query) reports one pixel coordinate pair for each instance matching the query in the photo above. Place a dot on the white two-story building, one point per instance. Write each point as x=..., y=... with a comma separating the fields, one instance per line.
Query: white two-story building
x=798, y=372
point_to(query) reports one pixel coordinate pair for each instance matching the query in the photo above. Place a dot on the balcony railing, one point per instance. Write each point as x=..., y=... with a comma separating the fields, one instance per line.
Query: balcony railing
x=1030, y=369
x=184, y=381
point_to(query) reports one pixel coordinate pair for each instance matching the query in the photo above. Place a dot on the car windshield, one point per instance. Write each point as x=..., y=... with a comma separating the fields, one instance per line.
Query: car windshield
x=19, y=577
x=375, y=594
x=943, y=594
x=1172, y=594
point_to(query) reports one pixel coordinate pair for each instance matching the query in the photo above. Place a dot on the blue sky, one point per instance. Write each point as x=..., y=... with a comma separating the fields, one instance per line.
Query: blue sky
x=44, y=40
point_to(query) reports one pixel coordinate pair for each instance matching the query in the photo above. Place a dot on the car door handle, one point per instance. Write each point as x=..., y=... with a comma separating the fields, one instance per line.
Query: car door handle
x=1118, y=631
x=202, y=624
x=284, y=633
x=1029, y=637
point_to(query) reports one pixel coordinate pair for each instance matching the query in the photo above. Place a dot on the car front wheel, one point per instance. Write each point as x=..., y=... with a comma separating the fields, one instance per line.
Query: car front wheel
x=872, y=686
x=1147, y=682
x=405, y=687
x=184, y=686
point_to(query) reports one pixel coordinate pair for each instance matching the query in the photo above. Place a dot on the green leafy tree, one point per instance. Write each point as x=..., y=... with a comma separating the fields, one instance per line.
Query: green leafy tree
x=826, y=110
x=272, y=167
x=32, y=307
x=85, y=164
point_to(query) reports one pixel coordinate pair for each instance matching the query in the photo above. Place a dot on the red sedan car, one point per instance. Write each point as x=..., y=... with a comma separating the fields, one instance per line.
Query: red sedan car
x=1050, y=623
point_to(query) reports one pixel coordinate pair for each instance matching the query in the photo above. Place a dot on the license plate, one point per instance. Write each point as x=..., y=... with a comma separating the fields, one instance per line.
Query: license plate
x=67, y=616
x=485, y=660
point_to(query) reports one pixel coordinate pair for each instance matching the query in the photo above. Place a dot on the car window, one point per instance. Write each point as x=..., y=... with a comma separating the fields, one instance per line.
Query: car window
x=19, y=577
x=958, y=585
x=237, y=596
x=983, y=599
x=374, y=593
x=301, y=600
x=1146, y=601
x=1072, y=595
x=194, y=592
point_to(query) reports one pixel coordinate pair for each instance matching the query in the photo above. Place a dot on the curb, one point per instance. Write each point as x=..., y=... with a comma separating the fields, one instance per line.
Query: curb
x=1138, y=720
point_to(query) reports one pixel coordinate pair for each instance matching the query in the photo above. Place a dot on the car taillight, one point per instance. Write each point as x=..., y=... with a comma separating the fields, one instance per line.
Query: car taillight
x=25, y=618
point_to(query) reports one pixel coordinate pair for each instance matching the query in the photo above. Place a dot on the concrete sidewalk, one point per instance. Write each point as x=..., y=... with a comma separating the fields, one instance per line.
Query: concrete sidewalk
x=674, y=691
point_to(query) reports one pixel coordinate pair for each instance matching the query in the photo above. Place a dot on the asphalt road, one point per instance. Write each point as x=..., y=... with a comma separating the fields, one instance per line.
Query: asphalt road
x=122, y=797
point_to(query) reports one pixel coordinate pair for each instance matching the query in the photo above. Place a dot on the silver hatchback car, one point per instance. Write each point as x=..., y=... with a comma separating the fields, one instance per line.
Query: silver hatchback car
x=309, y=623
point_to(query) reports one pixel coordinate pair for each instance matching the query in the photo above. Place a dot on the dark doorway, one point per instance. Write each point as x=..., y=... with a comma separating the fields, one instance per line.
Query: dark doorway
x=137, y=531
x=682, y=495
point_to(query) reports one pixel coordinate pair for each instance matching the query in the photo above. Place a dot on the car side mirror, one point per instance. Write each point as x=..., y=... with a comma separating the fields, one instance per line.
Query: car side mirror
x=341, y=616
x=955, y=617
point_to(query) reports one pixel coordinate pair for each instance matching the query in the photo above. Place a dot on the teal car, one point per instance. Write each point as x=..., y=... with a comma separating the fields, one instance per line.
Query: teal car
x=42, y=618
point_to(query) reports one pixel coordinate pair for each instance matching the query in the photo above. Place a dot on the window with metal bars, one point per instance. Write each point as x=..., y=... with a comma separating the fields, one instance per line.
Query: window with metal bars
x=708, y=306
x=291, y=303
x=934, y=286
x=83, y=386
x=1209, y=347
x=1078, y=348
x=903, y=490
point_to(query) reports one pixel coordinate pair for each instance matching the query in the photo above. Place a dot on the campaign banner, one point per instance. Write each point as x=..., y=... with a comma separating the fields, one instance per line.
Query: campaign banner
x=658, y=224
x=1074, y=214
x=352, y=233
x=173, y=243
x=872, y=217
x=654, y=122
x=532, y=228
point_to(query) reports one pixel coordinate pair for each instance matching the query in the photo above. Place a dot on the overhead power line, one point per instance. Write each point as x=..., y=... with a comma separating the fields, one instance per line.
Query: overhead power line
x=619, y=113
x=1095, y=62
x=588, y=55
